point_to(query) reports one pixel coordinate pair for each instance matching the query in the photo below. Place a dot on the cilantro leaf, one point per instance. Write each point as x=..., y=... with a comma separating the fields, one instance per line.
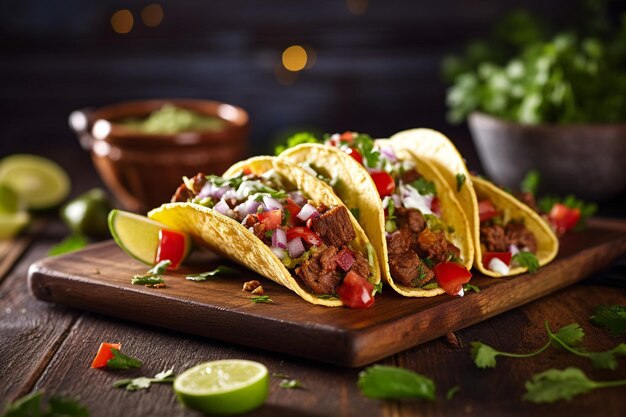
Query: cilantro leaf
x=147, y=280
x=389, y=382
x=296, y=139
x=159, y=268
x=571, y=335
x=144, y=382
x=424, y=187
x=65, y=407
x=291, y=384
x=203, y=276
x=530, y=183
x=121, y=361
x=378, y=288
x=71, y=243
x=452, y=392
x=484, y=356
x=365, y=145
x=556, y=384
x=527, y=260
x=264, y=299
x=470, y=287
x=612, y=318
x=460, y=180
x=30, y=406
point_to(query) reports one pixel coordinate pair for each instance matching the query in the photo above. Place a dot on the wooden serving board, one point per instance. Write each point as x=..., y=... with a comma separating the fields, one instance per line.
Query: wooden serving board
x=98, y=279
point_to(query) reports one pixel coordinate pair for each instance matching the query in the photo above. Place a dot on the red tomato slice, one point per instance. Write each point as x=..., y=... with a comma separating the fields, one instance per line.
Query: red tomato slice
x=172, y=247
x=451, y=276
x=503, y=256
x=104, y=354
x=356, y=155
x=384, y=183
x=435, y=206
x=356, y=291
x=486, y=210
x=294, y=209
x=271, y=219
x=305, y=233
x=564, y=218
x=346, y=137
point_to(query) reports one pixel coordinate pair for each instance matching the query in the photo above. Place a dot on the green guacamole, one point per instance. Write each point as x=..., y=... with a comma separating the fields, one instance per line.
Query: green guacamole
x=170, y=119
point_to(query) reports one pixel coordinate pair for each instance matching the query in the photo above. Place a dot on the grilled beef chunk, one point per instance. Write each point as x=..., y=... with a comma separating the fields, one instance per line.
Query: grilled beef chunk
x=518, y=235
x=494, y=238
x=434, y=245
x=407, y=269
x=411, y=218
x=259, y=230
x=361, y=265
x=334, y=226
x=232, y=202
x=198, y=182
x=410, y=176
x=399, y=241
x=250, y=220
x=182, y=194
x=318, y=272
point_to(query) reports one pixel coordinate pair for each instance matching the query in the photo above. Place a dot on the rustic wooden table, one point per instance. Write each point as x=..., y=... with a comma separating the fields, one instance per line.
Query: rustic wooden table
x=50, y=347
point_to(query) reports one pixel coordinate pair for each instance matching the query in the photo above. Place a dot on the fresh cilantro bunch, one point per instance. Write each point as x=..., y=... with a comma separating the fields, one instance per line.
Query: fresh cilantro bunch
x=568, y=78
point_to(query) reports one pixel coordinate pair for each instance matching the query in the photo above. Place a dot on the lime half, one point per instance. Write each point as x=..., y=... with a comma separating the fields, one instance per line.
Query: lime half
x=138, y=235
x=9, y=200
x=40, y=182
x=11, y=224
x=223, y=387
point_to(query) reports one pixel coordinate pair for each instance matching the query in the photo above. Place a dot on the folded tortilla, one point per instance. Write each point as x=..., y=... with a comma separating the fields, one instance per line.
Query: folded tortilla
x=354, y=185
x=231, y=239
x=438, y=150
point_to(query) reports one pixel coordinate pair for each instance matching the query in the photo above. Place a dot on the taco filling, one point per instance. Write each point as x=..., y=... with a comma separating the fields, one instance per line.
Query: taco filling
x=313, y=241
x=504, y=241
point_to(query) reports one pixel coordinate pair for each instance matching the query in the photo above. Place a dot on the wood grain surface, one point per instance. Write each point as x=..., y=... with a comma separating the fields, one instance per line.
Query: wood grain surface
x=98, y=279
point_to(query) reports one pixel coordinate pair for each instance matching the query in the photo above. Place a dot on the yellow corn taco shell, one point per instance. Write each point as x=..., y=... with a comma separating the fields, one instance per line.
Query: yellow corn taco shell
x=355, y=187
x=437, y=149
x=232, y=240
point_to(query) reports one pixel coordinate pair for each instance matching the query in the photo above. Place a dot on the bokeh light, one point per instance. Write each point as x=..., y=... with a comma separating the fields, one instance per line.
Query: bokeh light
x=152, y=15
x=357, y=6
x=122, y=21
x=294, y=58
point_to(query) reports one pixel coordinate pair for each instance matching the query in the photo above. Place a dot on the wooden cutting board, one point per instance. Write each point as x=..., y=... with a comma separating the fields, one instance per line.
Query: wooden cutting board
x=98, y=279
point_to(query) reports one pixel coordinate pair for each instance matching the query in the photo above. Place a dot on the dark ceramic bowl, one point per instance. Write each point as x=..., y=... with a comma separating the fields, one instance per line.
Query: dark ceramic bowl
x=588, y=161
x=144, y=170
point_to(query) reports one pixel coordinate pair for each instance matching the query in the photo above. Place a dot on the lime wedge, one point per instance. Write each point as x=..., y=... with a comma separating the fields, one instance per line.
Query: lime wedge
x=223, y=387
x=138, y=235
x=40, y=182
x=9, y=200
x=12, y=223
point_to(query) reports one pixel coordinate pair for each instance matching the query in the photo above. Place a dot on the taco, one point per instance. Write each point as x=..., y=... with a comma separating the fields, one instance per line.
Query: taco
x=407, y=210
x=509, y=237
x=282, y=223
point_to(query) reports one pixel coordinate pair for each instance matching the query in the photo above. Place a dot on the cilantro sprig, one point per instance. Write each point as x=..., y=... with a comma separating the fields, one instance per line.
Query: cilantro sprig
x=612, y=318
x=460, y=180
x=390, y=382
x=569, y=338
x=152, y=278
x=203, y=276
x=526, y=259
x=121, y=361
x=135, y=384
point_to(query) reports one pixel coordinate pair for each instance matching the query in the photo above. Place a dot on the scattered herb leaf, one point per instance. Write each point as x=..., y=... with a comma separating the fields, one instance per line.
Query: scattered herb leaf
x=152, y=278
x=378, y=288
x=261, y=299
x=296, y=139
x=470, y=287
x=203, y=276
x=121, y=361
x=390, y=382
x=71, y=243
x=30, y=406
x=527, y=260
x=291, y=384
x=460, y=180
x=531, y=181
x=143, y=382
x=587, y=210
x=279, y=375
x=452, y=392
x=611, y=318
x=424, y=187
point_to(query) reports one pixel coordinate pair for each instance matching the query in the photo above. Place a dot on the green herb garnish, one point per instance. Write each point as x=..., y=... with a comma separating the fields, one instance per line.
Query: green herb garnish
x=261, y=299
x=452, y=392
x=562, y=384
x=148, y=280
x=378, y=288
x=530, y=183
x=30, y=406
x=470, y=287
x=291, y=384
x=460, y=180
x=587, y=210
x=203, y=276
x=71, y=243
x=296, y=139
x=527, y=260
x=390, y=382
x=390, y=220
x=365, y=145
x=121, y=361
x=424, y=187
x=143, y=382
x=612, y=318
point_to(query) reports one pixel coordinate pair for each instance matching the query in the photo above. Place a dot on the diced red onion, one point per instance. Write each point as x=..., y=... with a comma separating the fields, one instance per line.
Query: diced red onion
x=248, y=207
x=271, y=203
x=397, y=201
x=295, y=247
x=297, y=198
x=212, y=191
x=279, y=239
x=222, y=207
x=280, y=253
x=513, y=249
x=388, y=154
x=345, y=259
x=307, y=212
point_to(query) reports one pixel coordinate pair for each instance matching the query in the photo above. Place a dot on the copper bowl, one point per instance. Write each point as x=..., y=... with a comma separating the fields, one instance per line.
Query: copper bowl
x=144, y=170
x=584, y=160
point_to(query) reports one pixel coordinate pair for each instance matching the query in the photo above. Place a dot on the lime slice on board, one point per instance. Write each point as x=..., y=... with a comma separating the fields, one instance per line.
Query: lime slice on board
x=138, y=235
x=225, y=387
x=40, y=182
x=9, y=200
x=11, y=224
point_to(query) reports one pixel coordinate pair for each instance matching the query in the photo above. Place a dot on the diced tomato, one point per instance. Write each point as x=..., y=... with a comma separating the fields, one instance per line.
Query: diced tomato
x=271, y=219
x=104, y=354
x=306, y=234
x=427, y=238
x=294, y=209
x=564, y=218
x=486, y=210
x=356, y=291
x=435, y=206
x=384, y=183
x=172, y=247
x=356, y=155
x=451, y=276
x=346, y=137
x=503, y=256
x=247, y=171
